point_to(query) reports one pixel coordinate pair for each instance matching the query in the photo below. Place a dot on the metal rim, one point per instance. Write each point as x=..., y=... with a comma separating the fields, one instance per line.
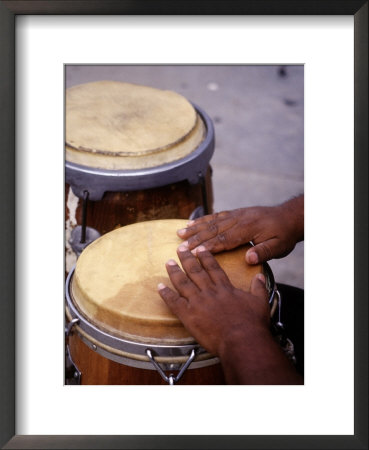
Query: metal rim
x=120, y=347
x=134, y=353
x=98, y=181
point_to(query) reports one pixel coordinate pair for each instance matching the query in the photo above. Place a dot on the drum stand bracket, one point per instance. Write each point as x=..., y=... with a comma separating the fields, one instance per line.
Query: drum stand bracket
x=171, y=379
x=82, y=235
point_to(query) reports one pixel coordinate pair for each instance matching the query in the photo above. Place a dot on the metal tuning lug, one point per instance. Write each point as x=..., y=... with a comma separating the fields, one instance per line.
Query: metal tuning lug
x=70, y=325
x=171, y=379
x=72, y=373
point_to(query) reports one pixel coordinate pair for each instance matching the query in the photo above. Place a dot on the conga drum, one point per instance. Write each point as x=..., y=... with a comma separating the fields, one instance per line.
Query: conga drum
x=133, y=153
x=119, y=329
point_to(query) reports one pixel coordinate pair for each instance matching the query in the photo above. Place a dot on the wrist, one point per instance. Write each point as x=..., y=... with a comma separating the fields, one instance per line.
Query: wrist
x=239, y=340
x=256, y=359
x=293, y=216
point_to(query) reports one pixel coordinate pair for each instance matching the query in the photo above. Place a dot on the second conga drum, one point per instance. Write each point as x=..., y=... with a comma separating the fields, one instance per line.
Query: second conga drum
x=133, y=153
x=119, y=329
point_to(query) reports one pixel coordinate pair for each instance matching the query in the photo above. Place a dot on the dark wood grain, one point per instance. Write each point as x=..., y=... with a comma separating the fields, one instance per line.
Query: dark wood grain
x=116, y=209
x=98, y=370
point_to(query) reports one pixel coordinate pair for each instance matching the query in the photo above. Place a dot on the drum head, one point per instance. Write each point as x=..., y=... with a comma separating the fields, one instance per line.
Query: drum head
x=113, y=125
x=115, y=281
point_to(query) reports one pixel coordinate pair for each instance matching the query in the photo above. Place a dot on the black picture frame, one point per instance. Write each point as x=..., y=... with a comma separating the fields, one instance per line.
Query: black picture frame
x=8, y=11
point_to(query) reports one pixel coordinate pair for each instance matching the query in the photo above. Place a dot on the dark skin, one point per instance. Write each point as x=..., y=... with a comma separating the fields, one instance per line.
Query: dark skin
x=228, y=322
x=273, y=230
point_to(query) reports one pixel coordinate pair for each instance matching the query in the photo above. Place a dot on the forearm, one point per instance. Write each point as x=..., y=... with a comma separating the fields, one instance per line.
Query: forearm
x=256, y=359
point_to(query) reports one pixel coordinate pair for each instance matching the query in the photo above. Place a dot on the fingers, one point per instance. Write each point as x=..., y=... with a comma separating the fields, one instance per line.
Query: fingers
x=258, y=287
x=193, y=268
x=208, y=218
x=175, y=302
x=215, y=238
x=200, y=274
x=213, y=269
x=194, y=226
x=180, y=280
x=211, y=231
x=263, y=252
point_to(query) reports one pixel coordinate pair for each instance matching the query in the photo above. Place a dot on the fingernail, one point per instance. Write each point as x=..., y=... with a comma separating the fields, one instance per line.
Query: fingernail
x=161, y=286
x=201, y=248
x=252, y=257
x=181, y=232
x=261, y=277
x=183, y=248
x=185, y=244
x=190, y=222
x=171, y=262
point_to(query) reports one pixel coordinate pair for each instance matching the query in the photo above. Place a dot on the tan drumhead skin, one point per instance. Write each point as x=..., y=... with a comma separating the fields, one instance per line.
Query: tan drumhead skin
x=116, y=278
x=114, y=125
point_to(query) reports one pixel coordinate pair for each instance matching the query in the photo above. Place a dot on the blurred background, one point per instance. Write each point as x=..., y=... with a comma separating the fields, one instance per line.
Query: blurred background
x=258, y=116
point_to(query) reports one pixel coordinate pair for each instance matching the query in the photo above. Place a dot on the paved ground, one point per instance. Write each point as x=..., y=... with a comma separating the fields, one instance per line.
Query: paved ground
x=258, y=115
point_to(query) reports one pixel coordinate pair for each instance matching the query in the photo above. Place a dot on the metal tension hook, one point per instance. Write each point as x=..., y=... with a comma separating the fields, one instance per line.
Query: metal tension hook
x=279, y=324
x=171, y=379
x=70, y=325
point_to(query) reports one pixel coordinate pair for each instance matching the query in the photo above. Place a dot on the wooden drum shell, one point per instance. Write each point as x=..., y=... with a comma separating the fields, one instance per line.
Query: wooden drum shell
x=116, y=317
x=116, y=209
x=97, y=370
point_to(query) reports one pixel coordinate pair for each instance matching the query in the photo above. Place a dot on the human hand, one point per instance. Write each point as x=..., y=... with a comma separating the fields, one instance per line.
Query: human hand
x=273, y=230
x=209, y=306
x=228, y=322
